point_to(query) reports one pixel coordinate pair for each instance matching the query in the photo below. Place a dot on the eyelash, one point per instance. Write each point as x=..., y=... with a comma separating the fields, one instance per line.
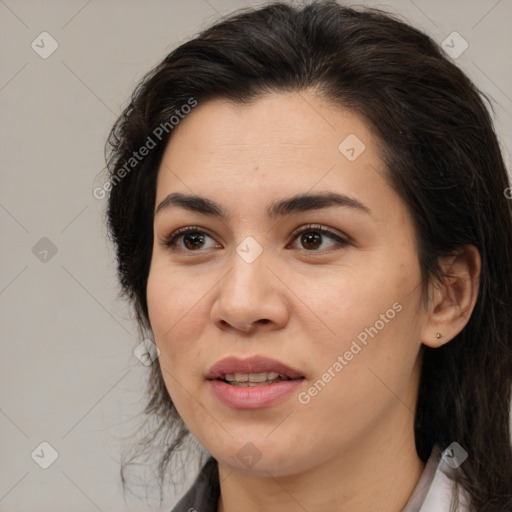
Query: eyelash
x=171, y=240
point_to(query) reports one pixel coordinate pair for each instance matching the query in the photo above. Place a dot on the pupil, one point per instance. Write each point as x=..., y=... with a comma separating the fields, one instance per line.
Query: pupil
x=197, y=240
x=311, y=239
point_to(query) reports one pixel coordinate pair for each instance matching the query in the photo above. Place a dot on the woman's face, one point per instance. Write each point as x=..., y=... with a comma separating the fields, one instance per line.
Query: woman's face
x=341, y=307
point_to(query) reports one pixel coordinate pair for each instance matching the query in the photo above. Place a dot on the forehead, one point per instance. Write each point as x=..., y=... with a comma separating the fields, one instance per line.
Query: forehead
x=278, y=144
x=278, y=122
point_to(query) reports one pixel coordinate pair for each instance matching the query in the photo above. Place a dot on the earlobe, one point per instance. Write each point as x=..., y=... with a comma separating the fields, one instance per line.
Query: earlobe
x=452, y=301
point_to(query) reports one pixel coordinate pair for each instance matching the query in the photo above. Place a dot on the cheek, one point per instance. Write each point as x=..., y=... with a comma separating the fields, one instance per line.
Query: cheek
x=357, y=382
x=173, y=330
x=355, y=299
x=376, y=316
x=171, y=314
x=179, y=312
x=170, y=296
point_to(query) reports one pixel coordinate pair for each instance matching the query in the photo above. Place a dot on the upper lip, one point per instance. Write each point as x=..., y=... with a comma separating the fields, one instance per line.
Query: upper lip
x=254, y=364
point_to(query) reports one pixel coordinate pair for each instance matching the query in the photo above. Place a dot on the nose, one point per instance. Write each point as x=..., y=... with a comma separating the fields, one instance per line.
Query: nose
x=250, y=296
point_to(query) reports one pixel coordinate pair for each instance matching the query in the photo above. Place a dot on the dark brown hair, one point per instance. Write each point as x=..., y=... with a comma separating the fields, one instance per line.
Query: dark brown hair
x=442, y=157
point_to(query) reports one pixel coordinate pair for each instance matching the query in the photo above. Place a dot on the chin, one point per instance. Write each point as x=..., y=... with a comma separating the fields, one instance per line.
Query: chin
x=261, y=457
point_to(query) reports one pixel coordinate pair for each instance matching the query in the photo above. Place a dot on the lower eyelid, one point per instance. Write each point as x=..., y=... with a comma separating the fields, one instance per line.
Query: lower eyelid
x=340, y=241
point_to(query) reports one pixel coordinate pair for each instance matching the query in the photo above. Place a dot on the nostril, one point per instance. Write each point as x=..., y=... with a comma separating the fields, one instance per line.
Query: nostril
x=250, y=327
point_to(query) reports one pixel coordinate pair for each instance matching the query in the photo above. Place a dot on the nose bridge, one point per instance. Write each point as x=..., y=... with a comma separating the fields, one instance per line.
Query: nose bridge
x=249, y=292
x=248, y=280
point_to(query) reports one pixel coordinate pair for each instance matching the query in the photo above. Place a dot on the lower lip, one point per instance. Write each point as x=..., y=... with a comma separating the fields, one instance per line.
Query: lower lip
x=255, y=397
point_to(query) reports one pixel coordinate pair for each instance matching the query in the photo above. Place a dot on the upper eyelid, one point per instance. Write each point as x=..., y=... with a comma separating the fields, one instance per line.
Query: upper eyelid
x=180, y=232
x=318, y=227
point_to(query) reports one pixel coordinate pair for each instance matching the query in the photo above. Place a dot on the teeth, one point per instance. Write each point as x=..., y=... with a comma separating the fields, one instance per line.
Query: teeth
x=263, y=376
x=253, y=384
x=254, y=378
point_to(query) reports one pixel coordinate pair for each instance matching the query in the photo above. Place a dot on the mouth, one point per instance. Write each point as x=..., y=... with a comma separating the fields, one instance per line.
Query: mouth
x=253, y=383
x=254, y=379
x=252, y=371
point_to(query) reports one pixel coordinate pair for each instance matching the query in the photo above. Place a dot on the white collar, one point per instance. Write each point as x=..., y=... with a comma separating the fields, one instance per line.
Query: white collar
x=435, y=488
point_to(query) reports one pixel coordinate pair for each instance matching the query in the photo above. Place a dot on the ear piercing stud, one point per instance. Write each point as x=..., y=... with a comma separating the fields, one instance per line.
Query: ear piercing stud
x=438, y=335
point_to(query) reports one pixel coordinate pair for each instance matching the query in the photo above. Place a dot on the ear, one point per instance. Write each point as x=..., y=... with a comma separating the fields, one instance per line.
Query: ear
x=452, y=301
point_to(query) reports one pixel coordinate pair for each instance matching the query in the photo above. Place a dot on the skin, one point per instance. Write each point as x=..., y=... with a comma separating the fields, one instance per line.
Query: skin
x=351, y=447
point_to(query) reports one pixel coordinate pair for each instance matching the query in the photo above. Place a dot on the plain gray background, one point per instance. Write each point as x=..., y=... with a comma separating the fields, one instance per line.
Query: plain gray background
x=68, y=374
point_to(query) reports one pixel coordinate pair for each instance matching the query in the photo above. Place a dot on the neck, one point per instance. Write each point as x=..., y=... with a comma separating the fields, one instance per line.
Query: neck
x=386, y=488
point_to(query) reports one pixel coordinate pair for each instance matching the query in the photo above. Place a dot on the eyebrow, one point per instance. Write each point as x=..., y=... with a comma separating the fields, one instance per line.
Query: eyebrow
x=280, y=208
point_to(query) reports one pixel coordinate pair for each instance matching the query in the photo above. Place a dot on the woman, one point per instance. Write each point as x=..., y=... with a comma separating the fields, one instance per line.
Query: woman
x=309, y=211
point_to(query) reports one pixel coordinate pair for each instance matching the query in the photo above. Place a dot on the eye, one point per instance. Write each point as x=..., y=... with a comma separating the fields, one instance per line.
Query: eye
x=193, y=238
x=311, y=237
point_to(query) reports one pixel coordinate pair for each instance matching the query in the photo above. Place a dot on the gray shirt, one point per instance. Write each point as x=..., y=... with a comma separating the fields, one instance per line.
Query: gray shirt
x=432, y=493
